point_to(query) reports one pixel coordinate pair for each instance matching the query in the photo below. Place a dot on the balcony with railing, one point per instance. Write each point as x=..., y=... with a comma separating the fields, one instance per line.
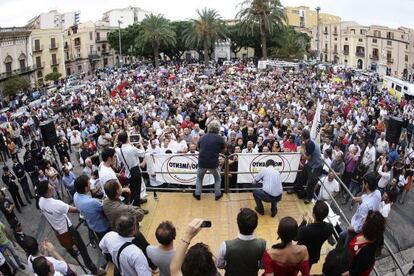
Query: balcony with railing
x=16, y=72
x=390, y=60
x=93, y=56
x=360, y=54
x=55, y=62
x=101, y=39
x=54, y=46
x=345, y=52
x=39, y=66
x=374, y=57
x=37, y=49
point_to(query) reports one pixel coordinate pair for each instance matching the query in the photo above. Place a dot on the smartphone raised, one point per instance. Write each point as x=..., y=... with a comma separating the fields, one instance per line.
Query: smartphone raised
x=206, y=224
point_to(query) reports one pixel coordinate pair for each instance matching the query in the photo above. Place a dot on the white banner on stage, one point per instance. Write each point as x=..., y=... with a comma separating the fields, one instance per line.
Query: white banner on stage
x=249, y=164
x=171, y=166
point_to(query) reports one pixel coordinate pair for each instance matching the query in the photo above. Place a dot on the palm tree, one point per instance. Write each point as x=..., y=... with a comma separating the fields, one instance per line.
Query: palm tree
x=156, y=31
x=204, y=31
x=263, y=14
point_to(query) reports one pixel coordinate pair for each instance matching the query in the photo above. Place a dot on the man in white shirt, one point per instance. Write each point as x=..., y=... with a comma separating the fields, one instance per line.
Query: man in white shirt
x=179, y=146
x=130, y=158
x=76, y=143
x=272, y=188
x=149, y=161
x=330, y=187
x=382, y=144
x=370, y=200
x=55, y=212
x=126, y=256
x=106, y=172
x=32, y=249
x=368, y=159
x=104, y=139
x=249, y=148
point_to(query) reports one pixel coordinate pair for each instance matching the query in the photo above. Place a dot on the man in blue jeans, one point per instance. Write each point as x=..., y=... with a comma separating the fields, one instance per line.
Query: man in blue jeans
x=272, y=188
x=210, y=146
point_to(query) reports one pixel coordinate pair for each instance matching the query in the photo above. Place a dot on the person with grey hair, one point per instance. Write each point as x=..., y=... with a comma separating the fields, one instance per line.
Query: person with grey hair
x=118, y=246
x=210, y=146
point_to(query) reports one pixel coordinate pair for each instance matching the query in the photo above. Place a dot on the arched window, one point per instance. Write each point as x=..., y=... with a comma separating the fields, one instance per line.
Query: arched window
x=8, y=63
x=22, y=61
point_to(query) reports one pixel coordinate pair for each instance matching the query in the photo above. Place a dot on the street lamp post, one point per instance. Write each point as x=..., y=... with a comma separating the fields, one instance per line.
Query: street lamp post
x=318, y=34
x=120, y=43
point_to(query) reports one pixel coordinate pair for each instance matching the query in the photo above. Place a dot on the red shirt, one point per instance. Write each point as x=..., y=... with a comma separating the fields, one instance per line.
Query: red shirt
x=289, y=146
x=185, y=124
x=271, y=266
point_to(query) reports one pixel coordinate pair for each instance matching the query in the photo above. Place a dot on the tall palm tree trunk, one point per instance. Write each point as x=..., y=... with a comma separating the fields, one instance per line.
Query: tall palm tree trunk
x=156, y=56
x=263, y=39
x=205, y=46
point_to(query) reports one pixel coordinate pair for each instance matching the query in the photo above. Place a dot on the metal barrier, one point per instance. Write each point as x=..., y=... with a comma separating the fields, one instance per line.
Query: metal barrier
x=226, y=173
x=337, y=178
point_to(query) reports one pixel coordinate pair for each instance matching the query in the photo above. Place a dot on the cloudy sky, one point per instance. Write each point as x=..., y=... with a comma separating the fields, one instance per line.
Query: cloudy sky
x=380, y=12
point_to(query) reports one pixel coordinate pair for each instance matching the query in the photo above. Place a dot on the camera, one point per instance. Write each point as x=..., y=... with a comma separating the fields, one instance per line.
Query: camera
x=134, y=138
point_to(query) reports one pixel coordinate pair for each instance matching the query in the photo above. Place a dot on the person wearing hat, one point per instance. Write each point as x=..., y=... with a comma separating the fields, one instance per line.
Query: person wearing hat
x=10, y=181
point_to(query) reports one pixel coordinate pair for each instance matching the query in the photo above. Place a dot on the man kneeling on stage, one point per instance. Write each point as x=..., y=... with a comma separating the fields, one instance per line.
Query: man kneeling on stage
x=272, y=188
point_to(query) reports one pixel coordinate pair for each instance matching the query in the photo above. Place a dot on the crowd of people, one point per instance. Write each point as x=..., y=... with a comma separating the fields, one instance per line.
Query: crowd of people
x=108, y=131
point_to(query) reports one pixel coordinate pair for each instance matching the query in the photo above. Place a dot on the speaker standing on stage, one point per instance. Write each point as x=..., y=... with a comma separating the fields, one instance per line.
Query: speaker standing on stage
x=210, y=145
x=129, y=156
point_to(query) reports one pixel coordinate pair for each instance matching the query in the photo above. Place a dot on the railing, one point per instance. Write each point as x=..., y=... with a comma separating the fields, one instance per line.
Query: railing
x=55, y=62
x=360, y=54
x=227, y=173
x=37, y=49
x=345, y=52
x=54, y=46
x=101, y=39
x=19, y=71
x=374, y=57
x=390, y=60
x=40, y=65
x=345, y=218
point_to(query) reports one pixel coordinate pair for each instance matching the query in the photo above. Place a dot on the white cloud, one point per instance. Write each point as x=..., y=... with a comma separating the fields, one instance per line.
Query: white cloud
x=381, y=12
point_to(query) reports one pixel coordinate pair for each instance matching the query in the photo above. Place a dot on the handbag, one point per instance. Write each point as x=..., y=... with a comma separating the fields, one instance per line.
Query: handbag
x=132, y=171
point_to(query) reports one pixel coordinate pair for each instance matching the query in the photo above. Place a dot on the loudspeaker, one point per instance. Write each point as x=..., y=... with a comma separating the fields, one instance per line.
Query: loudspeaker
x=393, y=133
x=48, y=131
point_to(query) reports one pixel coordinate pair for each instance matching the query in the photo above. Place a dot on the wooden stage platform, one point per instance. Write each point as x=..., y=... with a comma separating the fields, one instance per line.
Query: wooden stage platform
x=181, y=208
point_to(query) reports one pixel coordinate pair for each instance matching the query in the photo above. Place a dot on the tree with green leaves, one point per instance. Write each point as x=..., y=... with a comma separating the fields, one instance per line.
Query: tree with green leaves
x=264, y=16
x=54, y=76
x=205, y=31
x=157, y=32
x=290, y=44
x=128, y=36
x=14, y=85
x=174, y=52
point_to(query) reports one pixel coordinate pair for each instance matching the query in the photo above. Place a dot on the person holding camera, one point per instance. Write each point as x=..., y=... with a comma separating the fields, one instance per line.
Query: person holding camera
x=129, y=156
